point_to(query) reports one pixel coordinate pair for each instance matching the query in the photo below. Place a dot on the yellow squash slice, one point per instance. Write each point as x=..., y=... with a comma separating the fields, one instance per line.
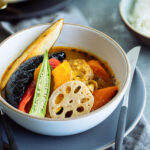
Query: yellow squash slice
x=61, y=74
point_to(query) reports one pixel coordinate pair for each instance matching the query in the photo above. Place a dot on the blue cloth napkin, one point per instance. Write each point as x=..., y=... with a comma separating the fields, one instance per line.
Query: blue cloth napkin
x=139, y=138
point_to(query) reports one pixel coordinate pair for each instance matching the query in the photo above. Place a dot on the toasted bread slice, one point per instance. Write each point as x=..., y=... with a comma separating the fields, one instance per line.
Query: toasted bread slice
x=44, y=42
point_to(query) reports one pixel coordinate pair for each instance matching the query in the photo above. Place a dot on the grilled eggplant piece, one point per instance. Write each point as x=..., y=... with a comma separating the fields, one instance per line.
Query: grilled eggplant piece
x=22, y=77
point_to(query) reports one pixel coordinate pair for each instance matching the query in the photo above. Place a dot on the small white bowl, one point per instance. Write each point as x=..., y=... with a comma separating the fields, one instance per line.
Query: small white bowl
x=72, y=35
x=124, y=9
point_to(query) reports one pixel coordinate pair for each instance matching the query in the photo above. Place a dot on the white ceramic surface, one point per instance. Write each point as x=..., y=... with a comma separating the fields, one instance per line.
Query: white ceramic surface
x=75, y=36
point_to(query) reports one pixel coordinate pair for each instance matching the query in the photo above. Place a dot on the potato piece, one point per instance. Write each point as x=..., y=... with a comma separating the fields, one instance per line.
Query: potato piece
x=44, y=42
x=81, y=70
x=61, y=74
x=70, y=100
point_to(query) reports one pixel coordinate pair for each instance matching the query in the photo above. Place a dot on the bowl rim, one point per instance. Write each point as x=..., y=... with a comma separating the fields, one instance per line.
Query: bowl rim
x=126, y=22
x=120, y=94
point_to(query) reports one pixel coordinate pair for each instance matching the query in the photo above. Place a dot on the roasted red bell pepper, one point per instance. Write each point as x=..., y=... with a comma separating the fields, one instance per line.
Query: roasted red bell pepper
x=27, y=97
x=54, y=62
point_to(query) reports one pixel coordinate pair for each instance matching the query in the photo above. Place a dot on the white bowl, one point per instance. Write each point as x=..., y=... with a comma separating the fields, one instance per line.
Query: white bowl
x=72, y=35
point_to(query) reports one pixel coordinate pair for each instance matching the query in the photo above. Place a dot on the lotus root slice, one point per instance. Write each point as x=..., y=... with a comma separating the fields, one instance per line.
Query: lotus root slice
x=70, y=100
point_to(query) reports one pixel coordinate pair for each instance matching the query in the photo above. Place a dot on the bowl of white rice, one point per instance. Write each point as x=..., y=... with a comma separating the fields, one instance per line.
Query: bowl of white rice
x=136, y=16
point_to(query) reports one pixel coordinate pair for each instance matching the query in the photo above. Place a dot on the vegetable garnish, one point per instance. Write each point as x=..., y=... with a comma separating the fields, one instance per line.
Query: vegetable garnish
x=53, y=63
x=102, y=96
x=27, y=97
x=20, y=80
x=42, y=89
x=99, y=70
x=70, y=100
x=61, y=74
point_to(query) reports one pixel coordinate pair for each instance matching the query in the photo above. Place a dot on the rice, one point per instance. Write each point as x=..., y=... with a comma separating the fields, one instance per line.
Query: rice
x=139, y=16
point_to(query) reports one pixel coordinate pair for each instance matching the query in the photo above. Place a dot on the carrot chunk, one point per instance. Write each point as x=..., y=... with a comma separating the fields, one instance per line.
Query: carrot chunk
x=102, y=96
x=99, y=70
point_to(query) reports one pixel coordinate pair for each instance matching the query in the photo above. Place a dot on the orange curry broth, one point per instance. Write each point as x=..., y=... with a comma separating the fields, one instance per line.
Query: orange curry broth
x=76, y=53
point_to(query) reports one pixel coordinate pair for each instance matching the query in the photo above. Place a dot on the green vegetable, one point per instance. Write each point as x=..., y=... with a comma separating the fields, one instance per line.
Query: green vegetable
x=42, y=89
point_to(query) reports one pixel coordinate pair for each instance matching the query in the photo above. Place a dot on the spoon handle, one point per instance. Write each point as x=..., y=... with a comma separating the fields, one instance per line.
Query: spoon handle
x=121, y=128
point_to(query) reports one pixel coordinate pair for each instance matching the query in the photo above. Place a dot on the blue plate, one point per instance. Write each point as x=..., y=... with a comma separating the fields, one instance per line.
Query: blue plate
x=99, y=137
